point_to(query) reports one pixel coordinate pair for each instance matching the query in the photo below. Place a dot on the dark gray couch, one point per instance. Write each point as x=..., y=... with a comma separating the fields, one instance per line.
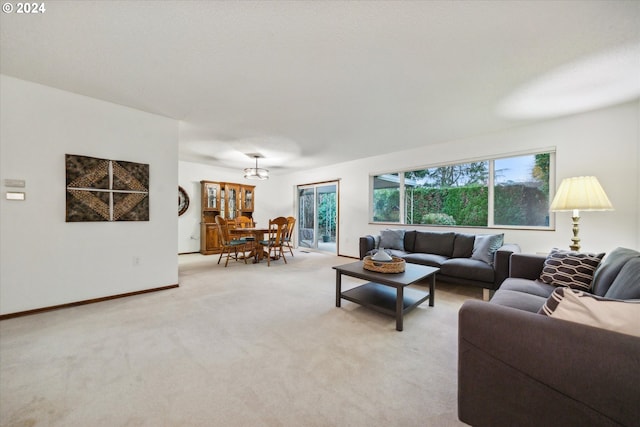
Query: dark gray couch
x=520, y=368
x=459, y=256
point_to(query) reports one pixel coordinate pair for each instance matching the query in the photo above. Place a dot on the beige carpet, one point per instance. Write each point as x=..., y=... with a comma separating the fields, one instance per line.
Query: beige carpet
x=248, y=345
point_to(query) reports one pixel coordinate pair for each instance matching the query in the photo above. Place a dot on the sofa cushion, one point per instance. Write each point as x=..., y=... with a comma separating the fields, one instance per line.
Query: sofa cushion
x=627, y=284
x=569, y=268
x=409, y=240
x=533, y=287
x=463, y=245
x=609, y=269
x=588, y=309
x=485, y=246
x=467, y=268
x=519, y=300
x=432, y=260
x=431, y=242
x=392, y=239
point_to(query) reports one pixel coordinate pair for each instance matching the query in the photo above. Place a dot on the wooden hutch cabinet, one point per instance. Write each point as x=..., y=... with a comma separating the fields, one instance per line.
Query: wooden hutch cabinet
x=227, y=199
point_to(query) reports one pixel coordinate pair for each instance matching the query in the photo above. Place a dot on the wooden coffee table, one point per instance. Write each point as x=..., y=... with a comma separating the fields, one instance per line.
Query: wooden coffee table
x=379, y=294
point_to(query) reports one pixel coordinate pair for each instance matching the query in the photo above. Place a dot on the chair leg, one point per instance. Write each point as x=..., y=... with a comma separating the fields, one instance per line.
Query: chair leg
x=228, y=256
x=221, y=253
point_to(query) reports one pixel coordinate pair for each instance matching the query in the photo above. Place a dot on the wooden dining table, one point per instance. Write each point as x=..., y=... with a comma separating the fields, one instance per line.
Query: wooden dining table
x=258, y=252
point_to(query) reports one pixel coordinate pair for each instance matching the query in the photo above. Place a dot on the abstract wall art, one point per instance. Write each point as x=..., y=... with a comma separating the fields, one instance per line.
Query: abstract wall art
x=106, y=190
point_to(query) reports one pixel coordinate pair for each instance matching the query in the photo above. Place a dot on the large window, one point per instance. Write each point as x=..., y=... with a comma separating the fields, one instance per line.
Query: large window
x=386, y=198
x=521, y=190
x=505, y=192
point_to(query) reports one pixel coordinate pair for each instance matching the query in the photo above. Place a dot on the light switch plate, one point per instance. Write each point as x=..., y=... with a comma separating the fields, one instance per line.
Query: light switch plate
x=14, y=195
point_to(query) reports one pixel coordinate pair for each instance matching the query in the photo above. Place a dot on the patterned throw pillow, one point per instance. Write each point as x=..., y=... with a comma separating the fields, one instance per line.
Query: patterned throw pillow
x=572, y=269
x=581, y=307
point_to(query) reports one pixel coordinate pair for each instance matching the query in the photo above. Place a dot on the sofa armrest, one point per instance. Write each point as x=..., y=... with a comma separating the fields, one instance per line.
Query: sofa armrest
x=501, y=260
x=526, y=369
x=367, y=243
x=526, y=266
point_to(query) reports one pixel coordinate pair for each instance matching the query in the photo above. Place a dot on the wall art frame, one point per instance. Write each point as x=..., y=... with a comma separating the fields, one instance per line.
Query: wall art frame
x=99, y=190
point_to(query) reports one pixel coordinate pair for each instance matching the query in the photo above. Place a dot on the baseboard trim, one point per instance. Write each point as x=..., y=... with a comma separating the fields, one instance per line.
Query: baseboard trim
x=84, y=302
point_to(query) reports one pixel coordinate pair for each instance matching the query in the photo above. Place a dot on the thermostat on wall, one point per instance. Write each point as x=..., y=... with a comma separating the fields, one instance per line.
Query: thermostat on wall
x=13, y=195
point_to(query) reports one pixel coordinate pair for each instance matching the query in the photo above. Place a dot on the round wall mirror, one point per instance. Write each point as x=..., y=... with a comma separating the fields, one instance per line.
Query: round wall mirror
x=183, y=201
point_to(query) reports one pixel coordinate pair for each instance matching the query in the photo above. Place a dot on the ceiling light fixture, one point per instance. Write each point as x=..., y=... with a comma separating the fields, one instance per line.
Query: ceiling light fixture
x=256, y=173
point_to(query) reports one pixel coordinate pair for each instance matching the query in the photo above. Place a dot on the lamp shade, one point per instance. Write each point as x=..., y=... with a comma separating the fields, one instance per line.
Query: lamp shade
x=582, y=193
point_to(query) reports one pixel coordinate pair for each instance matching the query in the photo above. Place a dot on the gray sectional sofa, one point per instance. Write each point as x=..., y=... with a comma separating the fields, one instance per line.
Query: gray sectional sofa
x=467, y=259
x=524, y=361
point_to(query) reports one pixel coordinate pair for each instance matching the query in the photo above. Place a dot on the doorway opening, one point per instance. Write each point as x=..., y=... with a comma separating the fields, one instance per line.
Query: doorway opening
x=318, y=216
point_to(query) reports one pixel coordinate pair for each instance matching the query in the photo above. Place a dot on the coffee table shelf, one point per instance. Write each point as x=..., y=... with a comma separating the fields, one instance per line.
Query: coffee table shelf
x=382, y=298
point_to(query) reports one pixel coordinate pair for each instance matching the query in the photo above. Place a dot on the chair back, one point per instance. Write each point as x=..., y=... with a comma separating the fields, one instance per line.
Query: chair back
x=277, y=230
x=223, y=230
x=291, y=223
x=244, y=222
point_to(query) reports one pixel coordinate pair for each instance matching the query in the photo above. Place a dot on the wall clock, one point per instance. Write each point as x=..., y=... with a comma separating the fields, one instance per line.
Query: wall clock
x=183, y=201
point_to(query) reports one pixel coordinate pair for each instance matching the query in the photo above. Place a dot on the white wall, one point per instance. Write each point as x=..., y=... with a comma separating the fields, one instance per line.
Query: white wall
x=604, y=143
x=190, y=175
x=47, y=261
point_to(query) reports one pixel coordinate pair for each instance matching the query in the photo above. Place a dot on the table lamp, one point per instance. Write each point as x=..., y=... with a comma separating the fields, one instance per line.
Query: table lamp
x=581, y=193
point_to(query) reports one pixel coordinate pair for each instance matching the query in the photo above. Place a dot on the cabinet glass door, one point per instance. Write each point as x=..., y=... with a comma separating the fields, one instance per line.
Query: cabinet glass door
x=232, y=200
x=248, y=199
x=212, y=196
x=223, y=202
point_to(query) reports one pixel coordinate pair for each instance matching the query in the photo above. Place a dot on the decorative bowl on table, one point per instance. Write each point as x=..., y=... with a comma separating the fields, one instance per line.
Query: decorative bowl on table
x=393, y=265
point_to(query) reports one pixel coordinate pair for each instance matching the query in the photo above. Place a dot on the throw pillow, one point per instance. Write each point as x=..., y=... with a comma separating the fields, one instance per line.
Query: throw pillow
x=609, y=268
x=485, y=246
x=627, y=284
x=392, y=239
x=581, y=307
x=568, y=268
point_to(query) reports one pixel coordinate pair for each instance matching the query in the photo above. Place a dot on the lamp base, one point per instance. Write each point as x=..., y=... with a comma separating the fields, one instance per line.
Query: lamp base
x=575, y=239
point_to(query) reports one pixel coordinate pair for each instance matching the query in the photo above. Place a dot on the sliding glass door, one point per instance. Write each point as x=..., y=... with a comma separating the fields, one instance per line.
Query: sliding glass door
x=318, y=216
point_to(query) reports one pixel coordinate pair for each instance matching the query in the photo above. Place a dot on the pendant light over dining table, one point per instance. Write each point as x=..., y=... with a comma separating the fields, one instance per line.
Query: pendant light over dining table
x=256, y=173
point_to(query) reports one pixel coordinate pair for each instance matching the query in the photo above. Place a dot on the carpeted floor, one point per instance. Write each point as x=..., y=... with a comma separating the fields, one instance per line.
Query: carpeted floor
x=246, y=345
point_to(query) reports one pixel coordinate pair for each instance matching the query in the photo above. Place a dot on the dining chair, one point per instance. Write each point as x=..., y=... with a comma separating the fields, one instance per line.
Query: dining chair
x=228, y=244
x=287, y=241
x=273, y=245
x=244, y=222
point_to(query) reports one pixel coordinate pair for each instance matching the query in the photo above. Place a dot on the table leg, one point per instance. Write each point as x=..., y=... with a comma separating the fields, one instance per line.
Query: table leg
x=432, y=290
x=338, y=288
x=399, y=307
x=259, y=249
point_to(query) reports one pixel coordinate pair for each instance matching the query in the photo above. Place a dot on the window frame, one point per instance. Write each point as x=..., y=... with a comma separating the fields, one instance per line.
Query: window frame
x=490, y=185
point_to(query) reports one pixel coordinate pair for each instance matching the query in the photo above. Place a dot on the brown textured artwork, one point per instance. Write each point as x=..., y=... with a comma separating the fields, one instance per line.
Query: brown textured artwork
x=106, y=190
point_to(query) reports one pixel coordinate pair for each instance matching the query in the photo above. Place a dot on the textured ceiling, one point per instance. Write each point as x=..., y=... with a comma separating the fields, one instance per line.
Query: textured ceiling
x=311, y=83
